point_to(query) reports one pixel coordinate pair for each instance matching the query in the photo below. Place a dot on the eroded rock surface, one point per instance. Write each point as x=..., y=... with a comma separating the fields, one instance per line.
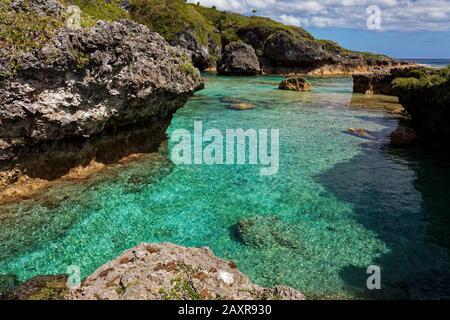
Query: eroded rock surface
x=168, y=271
x=295, y=84
x=89, y=93
x=239, y=58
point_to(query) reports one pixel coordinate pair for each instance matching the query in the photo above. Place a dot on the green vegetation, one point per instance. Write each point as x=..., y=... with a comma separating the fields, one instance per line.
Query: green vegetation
x=24, y=30
x=169, y=17
x=181, y=289
x=93, y=10
x=423, y=79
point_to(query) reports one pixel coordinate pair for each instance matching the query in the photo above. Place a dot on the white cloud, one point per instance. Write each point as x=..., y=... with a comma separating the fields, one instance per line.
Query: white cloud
x=399, y=15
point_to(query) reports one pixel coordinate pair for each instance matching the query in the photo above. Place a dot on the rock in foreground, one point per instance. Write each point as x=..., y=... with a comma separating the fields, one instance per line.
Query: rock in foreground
x=239, y=59
x=295, y=84
x=168, y=271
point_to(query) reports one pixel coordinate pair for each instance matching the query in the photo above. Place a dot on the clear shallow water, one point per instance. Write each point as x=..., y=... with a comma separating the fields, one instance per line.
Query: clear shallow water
x=347, y=202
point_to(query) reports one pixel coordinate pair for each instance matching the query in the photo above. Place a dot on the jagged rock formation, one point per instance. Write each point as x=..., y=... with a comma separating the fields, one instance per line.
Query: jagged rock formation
x=102, y=92
x=425, y=95
x=295, y=84
x=239, y=58
x=202, y=56
x=168, y=271
x=280, y=49
x=373, y=83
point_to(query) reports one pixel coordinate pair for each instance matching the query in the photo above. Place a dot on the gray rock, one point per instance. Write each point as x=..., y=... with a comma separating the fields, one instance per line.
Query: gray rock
x=238, y=58
x=168, y=271
x=90, y=92
x=203, y=56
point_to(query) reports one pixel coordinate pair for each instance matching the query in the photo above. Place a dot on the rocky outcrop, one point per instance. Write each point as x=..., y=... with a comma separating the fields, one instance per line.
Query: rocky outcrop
x=295, y=84
x=373, y=83
x=381, y=83
x=202, y=56
x=239, y=58
x=426, y=98
x=168, y=271
x=102, y=92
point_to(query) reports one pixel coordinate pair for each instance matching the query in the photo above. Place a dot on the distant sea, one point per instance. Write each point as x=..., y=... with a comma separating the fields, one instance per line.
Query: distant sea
x=433, y=63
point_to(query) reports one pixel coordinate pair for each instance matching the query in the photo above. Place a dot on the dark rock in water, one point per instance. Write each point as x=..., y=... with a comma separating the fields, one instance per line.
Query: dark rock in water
x=295, y=84
x=7, y=282
x=239, y=58
x=269, y=231
x=403, y=137
x=90, y=93
x=373, y=83
x=425, y=95
x=40, y=288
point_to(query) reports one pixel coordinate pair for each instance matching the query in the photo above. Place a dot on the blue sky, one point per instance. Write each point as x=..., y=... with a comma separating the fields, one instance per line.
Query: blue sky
x=403, y=28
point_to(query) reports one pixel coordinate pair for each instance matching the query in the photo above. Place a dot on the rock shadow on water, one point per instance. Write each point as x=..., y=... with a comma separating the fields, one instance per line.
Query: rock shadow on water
x=403, y=198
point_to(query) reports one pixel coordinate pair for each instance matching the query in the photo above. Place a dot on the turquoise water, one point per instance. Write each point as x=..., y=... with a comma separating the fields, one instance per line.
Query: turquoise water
x=338, y=204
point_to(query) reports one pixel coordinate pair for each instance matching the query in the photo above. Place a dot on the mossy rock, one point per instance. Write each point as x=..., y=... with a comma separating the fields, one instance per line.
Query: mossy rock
x=40, y=288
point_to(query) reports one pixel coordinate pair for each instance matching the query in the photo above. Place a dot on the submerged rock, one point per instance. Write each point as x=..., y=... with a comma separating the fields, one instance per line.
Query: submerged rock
x=241, y=106
x=103, y=92
x=295, y=84
x=403, y=137
x=269, y=231
x=40, y=288
x=239, y=58
x=360, y=133
x=169, y=271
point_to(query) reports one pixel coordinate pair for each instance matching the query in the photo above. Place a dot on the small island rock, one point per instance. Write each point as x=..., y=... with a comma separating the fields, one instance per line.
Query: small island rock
x=295, y=84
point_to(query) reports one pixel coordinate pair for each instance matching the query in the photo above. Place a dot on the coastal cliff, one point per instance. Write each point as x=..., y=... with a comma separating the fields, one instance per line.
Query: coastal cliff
x=204, y=33
x=425, y=94
x=70, y=96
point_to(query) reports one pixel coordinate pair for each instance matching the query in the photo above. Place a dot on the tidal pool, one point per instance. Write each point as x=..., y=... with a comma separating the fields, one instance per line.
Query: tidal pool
x=338, y=204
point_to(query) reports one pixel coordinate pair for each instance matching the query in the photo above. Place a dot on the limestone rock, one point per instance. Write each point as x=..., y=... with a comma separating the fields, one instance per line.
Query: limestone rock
x=169, y=271
x=239, y=58
x=295, y=84
x=90, y=93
